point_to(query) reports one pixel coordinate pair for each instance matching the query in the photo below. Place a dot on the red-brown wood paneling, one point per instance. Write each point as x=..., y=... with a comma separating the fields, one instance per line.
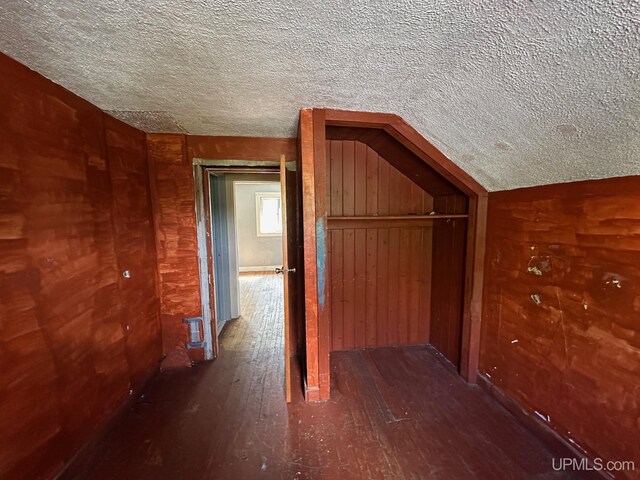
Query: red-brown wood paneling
x=561, y=329
x=312, y=291
x=447, y=292
x=379, y=277
x=171, y=176
x=241, y=148
x=135, y=244
x=66, y=359
x=398, y=155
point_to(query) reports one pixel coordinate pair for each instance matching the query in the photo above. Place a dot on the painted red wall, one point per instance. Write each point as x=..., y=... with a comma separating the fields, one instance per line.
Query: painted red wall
x=171, y=175
x=75, y=336
x=561, y=322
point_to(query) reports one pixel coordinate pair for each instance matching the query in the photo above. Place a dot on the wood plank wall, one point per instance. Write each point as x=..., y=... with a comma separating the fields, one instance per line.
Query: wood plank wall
x=74, y=337
x=447, y=294
x=380, y=277
x=172, y=187
x=561, y=329
x=135, y=244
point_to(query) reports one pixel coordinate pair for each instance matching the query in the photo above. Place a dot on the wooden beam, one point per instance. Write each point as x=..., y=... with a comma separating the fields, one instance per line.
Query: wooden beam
x=474, y=283
x=414, y=141
x=312, y=381
x=360, y=119
x=265, y=171
x=322, y=250
x=241, y=148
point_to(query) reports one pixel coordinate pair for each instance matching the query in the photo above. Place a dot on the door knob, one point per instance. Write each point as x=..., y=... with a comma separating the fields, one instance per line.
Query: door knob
x=283, y=270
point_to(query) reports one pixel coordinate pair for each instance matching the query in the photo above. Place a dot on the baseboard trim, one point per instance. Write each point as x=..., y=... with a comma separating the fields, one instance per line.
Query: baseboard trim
x=311, y=394
x=266, y=268
x=558, y=445
x=83, y=456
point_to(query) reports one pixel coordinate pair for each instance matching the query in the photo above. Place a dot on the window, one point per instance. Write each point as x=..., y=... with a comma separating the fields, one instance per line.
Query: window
x=269, y=214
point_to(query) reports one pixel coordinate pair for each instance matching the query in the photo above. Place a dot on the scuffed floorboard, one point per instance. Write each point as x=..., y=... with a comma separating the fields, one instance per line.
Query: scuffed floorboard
x=395, y=413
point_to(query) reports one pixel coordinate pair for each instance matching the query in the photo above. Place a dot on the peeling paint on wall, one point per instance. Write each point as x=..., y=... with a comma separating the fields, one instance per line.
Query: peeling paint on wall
x=573, y=306
x=321, y=258
x=539, y=265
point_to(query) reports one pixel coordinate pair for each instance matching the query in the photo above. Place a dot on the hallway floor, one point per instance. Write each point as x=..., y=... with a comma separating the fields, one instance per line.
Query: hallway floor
x=395, y=413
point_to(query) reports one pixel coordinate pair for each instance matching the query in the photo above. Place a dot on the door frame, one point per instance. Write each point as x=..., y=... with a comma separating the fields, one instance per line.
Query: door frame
x=201, y=174
x=237, y=153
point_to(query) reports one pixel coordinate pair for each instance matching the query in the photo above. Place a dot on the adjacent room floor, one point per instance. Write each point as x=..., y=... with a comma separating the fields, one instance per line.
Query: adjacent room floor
x=395, y=413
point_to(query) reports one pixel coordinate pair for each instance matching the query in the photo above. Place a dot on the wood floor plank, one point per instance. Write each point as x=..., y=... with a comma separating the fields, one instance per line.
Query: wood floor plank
x=395, y=413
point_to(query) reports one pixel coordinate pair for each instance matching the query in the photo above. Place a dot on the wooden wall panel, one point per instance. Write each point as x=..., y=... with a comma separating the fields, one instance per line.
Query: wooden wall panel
x=561, y=329
x=63, y=349
x=135, y=244
x=447, y=293
x=241, y=148
x=379, y=277
x=171, y=176
x=399, y=156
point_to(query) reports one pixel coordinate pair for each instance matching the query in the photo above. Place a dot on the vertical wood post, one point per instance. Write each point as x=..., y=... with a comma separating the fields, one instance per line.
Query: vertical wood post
x=322, y=249
x=473, y=285
x=312, y=378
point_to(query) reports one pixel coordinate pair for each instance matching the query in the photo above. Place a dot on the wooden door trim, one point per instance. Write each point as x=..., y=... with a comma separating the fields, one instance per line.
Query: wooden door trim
x=321, y=169
x=307, y=173
x=205, y=261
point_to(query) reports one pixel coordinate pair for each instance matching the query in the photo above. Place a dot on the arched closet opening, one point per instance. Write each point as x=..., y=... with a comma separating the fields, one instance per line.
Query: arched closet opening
x=396, y=237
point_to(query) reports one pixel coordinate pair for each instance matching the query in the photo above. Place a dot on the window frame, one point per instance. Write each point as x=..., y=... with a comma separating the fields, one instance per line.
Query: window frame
x=259, y=197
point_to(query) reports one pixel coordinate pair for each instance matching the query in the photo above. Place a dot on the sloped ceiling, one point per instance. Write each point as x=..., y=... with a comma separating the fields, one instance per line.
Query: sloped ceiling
x=518, y=93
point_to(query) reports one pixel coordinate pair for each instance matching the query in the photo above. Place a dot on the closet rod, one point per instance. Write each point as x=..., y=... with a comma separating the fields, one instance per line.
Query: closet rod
x=390, y=221
x=398, y=217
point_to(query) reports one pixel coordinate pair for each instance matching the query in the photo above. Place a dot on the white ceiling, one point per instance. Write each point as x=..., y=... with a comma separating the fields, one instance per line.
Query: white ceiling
x=517, y=93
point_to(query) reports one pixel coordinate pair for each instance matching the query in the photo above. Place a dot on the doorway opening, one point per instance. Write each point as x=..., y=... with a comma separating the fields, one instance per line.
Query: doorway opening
x=245, y=229
x=246, y=240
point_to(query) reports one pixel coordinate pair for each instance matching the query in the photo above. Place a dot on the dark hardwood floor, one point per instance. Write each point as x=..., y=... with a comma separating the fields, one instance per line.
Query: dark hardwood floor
x=395, y=413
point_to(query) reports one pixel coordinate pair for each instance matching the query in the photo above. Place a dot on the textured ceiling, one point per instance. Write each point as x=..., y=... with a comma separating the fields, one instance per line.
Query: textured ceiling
x=518, y=93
